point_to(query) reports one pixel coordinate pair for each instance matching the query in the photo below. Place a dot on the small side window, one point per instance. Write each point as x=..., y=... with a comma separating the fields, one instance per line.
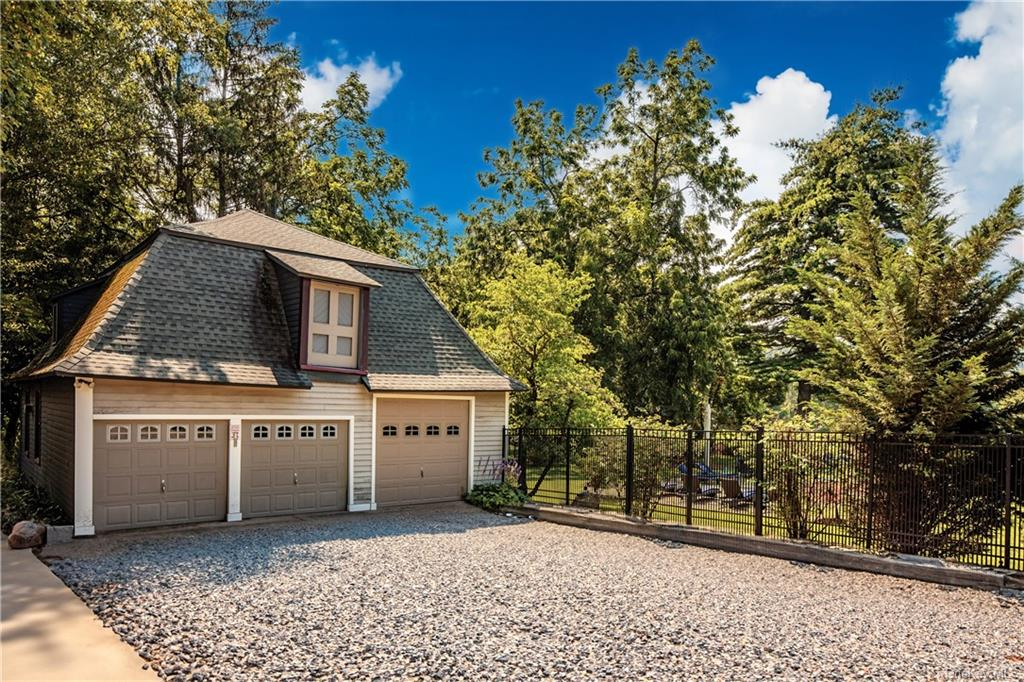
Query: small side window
x=389, y=430
x=307, y=432
x=412, y=430
x=177, y=432
x=433, y=430
x=206, y=432
x=328, y=431
x=118, y=433
x=284, y=431
x=149, y=433
x=453, y=430
x=260, y=432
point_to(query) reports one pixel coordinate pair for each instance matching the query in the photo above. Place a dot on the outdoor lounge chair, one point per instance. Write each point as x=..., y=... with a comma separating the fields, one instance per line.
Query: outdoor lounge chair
x=734, y=493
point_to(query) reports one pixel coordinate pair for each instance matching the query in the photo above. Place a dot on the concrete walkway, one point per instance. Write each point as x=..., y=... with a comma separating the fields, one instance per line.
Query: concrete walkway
x=47, y=633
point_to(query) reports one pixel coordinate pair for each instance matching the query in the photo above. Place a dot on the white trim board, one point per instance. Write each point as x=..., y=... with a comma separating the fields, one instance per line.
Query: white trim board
x=419, y=396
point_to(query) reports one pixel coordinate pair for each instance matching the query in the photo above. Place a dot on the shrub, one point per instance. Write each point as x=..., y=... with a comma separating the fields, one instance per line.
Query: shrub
x=22, y=501
x=494, y=496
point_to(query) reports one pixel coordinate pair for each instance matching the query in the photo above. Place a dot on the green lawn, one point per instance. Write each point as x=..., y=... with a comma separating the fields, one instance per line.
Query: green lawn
x=716, y=514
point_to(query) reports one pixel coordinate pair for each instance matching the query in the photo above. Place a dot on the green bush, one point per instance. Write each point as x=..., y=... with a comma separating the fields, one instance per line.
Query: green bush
x=494, y=496
x=22, y=501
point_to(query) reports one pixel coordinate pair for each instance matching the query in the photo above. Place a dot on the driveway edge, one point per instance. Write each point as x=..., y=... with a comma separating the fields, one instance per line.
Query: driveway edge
x=791, y=550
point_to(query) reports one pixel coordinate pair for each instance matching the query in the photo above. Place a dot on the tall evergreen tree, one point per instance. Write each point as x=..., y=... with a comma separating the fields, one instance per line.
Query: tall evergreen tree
x=777, y=240
x=916, y=332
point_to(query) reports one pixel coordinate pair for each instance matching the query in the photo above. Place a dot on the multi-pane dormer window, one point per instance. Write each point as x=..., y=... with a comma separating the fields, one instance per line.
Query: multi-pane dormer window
x=333, y=330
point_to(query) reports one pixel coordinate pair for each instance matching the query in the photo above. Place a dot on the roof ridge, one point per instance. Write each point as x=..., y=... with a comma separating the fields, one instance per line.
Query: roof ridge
x=307, y=231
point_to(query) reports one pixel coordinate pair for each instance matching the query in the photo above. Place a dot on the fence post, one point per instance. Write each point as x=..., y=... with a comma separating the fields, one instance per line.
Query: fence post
x=759, y=482
x=871, y=443
x=521, y=457
x=1007, y=494
x=568, y=464
x=690, y=478
x=630, y=465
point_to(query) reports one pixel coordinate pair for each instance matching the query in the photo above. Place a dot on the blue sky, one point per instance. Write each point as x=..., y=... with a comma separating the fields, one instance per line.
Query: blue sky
x=444, y=76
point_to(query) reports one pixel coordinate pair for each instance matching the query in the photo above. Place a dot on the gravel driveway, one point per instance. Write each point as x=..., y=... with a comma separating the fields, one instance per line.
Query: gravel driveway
x=452, y=592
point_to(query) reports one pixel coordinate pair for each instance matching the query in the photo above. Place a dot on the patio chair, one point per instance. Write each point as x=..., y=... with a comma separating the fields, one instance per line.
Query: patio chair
x=734, y=493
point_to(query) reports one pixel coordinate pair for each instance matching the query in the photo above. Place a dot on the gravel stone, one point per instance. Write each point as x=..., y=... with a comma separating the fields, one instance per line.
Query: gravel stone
x=450, y=592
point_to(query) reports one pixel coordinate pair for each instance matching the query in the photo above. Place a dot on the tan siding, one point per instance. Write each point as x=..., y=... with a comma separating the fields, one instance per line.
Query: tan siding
x=115, y=396
x=55, y=471
x=490, y=417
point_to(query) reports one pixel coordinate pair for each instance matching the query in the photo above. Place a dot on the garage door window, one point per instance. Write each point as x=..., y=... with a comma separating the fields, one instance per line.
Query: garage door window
x=178, y=432
x=412, y=430
x=260, y=432
x=433, y=430
x=118, y=433
x=206, y=432
x=389, y=430
x=453, y=430
x=307, y=432
x=284, y=431
x=149, y=433
x=328, y=431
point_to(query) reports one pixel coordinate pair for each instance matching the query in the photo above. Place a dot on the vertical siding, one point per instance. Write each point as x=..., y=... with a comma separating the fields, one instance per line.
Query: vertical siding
x=290, y=286
x=490, y=417
x=55, y=471
x=72, y=307
x=114, y=396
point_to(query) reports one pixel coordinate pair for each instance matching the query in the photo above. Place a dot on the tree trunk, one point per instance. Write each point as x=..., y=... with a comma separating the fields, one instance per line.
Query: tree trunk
x=803, y=397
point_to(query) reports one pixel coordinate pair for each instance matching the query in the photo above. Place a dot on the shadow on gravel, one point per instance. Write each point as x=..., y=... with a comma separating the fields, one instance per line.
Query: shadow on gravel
x=218, y=556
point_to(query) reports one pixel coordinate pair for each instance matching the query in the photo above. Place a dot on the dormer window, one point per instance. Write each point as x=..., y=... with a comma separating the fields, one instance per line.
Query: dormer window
x=333, y=336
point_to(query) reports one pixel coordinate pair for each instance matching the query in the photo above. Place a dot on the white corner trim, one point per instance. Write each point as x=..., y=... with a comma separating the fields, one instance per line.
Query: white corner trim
x=235, y=470
x=83, y=457
x=420, y=396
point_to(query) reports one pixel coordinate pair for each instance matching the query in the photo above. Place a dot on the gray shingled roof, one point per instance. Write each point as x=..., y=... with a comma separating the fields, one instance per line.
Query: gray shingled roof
x=250, y=227
x=193, y=311
x=322, y=268
x=416, y=345
x=188, y=308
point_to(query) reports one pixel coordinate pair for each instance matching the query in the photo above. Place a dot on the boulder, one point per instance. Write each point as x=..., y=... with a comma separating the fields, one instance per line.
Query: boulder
x=27, y=534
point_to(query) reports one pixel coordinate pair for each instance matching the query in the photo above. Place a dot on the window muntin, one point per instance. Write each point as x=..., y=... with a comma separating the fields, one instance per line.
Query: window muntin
x=118, y=433
x=433, y=430
x=389, y=430
x=260, y=432
x=333, y=316
x=206, y=432
x=177, y=432
x=328, y=431
x=412, y=430
x=149, y=433
x=284, y=432
x=307, y=432
x=452, y=430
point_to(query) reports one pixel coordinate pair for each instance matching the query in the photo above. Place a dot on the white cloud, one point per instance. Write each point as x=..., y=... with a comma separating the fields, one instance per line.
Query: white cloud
x=982, y=111
x=787, y=106
x=323, y=79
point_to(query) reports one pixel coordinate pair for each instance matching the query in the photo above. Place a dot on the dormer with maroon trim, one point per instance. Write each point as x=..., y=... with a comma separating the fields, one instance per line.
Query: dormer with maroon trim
x=330, y=311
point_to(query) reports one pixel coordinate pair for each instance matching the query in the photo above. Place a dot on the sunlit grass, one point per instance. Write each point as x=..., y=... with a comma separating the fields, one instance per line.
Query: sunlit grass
x=717, y=514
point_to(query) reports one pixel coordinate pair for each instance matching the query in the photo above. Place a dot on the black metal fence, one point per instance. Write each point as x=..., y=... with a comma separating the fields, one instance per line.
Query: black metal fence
x=958, y=497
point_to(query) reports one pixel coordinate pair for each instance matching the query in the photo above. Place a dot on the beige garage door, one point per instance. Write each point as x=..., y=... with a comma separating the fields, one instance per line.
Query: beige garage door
x=422, y=450
x=151, y=473
x=289, y=467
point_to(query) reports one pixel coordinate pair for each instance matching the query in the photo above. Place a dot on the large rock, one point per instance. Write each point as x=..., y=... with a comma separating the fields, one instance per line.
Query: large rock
x=27, y=534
